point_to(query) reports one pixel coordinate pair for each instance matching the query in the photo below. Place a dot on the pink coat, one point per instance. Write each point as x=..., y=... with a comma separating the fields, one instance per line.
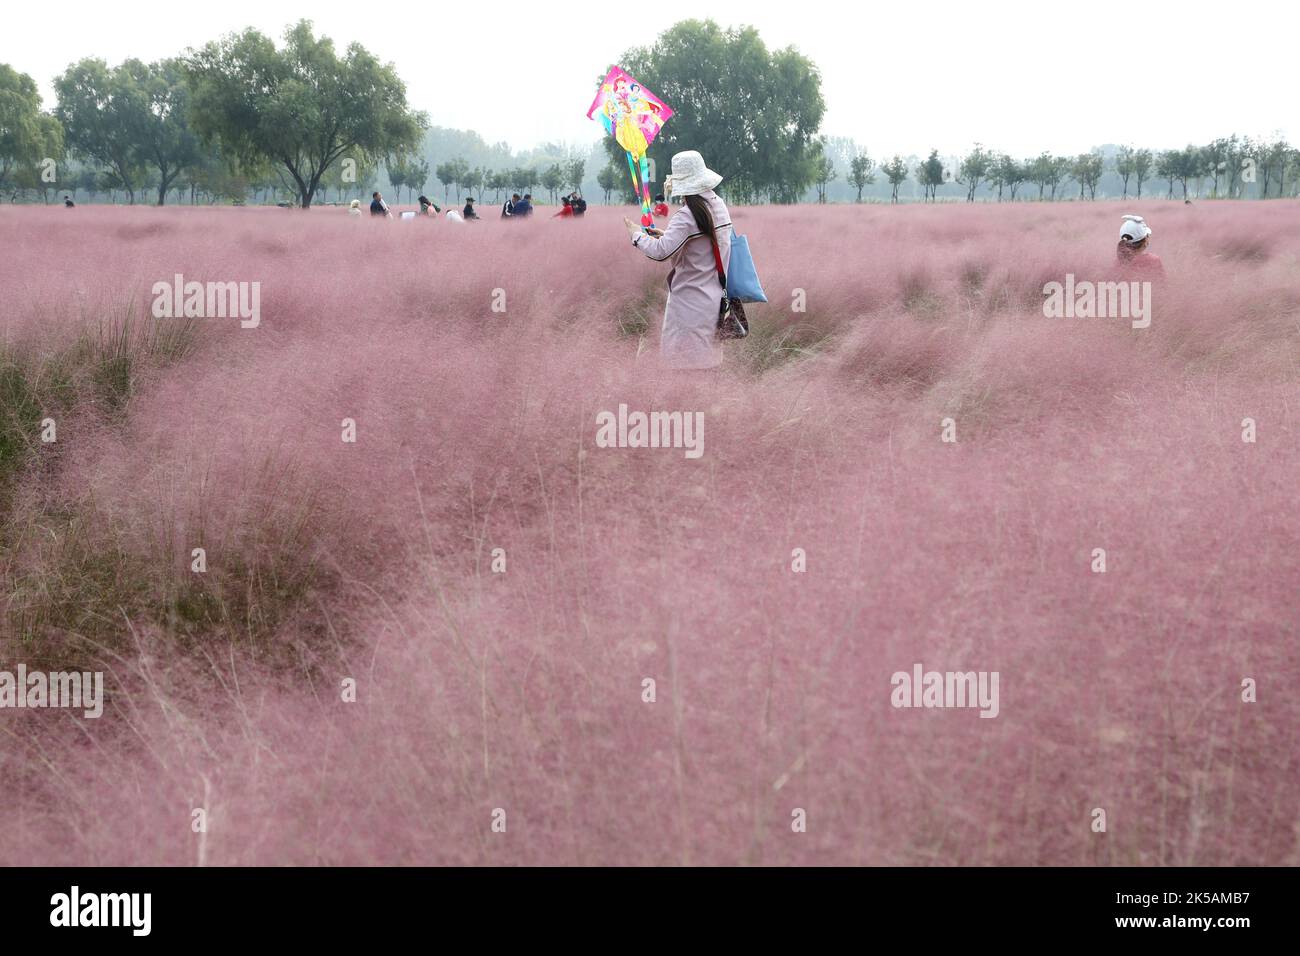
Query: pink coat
x=690, y=325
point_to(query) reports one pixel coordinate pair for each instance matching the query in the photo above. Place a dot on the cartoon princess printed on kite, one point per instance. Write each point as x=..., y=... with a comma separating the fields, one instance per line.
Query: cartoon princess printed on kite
x=630, y=115
x=623, y=112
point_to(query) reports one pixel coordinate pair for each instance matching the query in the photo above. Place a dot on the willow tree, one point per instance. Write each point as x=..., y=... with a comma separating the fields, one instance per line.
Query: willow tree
x=302, y=106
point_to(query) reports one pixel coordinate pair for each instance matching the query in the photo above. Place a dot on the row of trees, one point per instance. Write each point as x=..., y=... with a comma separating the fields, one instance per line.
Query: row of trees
x=304, y=118
x=299, y=112
x=560, y=176
x=1228, y=166
x=241, y=116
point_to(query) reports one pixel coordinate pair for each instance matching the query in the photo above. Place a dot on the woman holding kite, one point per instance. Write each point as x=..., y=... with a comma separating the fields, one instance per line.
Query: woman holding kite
x=697, y=241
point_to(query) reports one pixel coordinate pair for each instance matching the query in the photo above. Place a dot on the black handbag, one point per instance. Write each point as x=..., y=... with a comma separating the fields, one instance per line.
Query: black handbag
x=732, y=322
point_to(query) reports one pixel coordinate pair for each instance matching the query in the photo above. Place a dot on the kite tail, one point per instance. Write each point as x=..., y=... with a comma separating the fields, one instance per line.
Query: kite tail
x=646, y=206
x=640, y=173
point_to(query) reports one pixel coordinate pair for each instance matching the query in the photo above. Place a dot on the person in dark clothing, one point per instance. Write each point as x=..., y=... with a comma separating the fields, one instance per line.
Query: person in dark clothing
x=524, y=208
x=67, y=202
x=508, y=207
x=578, y=203
x=378, y=207
x=468, y=212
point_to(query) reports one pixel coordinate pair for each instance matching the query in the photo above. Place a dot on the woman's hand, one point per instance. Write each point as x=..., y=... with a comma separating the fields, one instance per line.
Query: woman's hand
x=633, y=230
x=654, y=232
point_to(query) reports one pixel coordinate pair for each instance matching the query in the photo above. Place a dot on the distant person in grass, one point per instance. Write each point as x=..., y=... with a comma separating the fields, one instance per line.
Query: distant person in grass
x=378, y=207
x=566, y=212
x=468, y=212
x=68, y=203
x=661, y=207
x=354, y=209
x=578, y=204
x=508, y=207
x=524, y=207
x=428, y=207
x=1134, y=245
x=697, y=240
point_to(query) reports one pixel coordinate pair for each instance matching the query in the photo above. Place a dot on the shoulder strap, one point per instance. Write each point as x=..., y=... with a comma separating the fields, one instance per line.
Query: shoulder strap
x=717, y=254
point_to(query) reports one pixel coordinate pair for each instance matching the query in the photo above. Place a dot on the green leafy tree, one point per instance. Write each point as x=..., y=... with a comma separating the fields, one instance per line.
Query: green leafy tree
x=102, y=111
x=1086, y=169
x=1189, y=166
x=553, y=179
x=752, y=113
x=451, y=173
x=607, y=179
x=163, y=138
x=1008, y=174
x=930, y=175
x=397, y=175
x=825, y=171
x=1041, y=169
x=574, y=173
x=974, y=169
x=1167, y=168
x=1214, y=156
x=301, y=106
x=1273, y=159
x=1059, y=173
x=896, y=172
x=472, y=180
x=498, y=182
x=1142, y=162
x=1124, y=165
x=28, y=136
x=860, y=173
x=417, y=176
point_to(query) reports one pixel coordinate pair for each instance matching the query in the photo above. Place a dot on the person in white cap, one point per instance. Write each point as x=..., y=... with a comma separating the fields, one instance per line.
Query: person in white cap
x=1133, y=249
x=697, y=241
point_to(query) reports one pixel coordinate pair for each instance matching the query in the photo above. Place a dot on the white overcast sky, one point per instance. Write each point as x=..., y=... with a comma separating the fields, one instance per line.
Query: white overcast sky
x=1017, y=75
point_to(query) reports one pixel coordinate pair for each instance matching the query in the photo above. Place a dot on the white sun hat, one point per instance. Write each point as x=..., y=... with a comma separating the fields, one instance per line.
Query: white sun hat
x=690, y=176
x=1134, y=230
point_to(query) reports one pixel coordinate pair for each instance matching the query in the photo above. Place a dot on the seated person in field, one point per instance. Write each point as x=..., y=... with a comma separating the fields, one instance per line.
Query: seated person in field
x=68, y=203
x=661, y=206
x=524, y=207
x=565, y=212
x=378, y=207
x=454, y=216
x=354, y=208
x=1133, y=253
x=468, y=212
x=427, y=204
x=578, y=203
x=508, y=207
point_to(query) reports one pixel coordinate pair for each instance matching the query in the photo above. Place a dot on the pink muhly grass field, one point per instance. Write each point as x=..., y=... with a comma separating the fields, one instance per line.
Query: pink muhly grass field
x=523, y=690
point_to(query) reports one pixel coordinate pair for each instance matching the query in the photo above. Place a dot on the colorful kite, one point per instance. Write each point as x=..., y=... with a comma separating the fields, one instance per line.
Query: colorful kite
x=633, y=116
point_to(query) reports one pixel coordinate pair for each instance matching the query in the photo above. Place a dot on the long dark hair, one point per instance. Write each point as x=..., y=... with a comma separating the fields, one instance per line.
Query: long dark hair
x=699, y=207
x=1127, y=250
